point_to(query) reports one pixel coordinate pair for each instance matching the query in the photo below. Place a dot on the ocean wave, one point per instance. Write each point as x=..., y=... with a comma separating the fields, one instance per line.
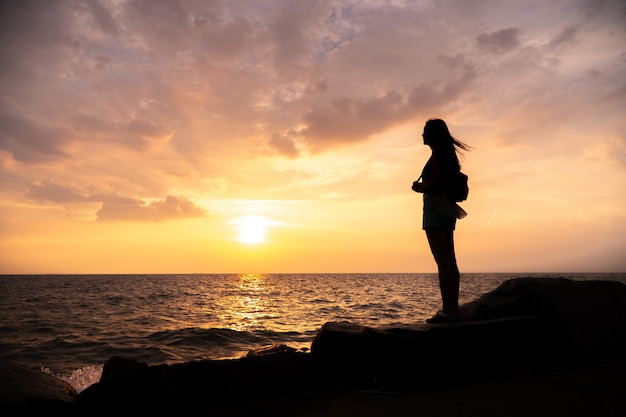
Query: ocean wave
x=215, y=342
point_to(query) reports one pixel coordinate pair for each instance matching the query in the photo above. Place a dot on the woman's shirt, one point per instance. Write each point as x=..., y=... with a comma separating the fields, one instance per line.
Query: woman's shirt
x=435, y=174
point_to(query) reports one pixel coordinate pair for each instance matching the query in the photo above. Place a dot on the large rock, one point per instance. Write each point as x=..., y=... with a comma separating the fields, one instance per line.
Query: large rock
x=421, y=353
x=116, y=364
x=190, y=386
x=524, y=321
x=25, y=390
x=588, y=316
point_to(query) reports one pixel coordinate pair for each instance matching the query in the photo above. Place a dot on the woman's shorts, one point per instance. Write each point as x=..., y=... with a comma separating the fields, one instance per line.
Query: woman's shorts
x=433, y=218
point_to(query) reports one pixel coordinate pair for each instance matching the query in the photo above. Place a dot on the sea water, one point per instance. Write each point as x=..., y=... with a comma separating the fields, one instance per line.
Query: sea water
x=69, y=325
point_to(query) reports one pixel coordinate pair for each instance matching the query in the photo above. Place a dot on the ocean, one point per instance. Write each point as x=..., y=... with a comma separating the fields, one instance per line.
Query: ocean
x=69, y=325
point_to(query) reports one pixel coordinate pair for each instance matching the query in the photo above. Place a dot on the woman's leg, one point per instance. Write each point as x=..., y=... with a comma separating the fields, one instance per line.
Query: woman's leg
x=441, y=243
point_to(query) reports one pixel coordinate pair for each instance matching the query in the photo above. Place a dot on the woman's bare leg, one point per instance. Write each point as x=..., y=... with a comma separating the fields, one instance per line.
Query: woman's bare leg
x=441, y=243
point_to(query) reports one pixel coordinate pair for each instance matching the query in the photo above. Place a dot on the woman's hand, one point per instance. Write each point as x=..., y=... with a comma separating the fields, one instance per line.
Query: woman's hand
x=417, y=186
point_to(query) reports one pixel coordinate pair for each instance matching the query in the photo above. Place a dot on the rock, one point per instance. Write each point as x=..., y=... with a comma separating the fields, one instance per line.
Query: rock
x=524, y=321
x=418, y=353
x=198, y=385
x=587, y=316
x=25, y=389
x=116, y=364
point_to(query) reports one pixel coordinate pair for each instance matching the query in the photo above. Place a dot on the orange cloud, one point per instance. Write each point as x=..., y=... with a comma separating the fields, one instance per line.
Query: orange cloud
x=129, y=209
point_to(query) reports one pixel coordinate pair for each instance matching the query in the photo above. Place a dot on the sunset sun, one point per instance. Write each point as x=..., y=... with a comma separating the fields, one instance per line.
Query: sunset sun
x=252, y=228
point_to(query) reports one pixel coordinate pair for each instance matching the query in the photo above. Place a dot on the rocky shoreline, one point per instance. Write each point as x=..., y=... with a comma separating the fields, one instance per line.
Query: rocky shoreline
x=527, y=334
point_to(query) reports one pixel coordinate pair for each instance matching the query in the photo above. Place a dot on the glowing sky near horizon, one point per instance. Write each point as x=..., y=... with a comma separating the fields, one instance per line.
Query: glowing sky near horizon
x=283, y=136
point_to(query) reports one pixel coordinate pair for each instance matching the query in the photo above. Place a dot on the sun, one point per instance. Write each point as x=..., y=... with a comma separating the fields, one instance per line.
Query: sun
x=252, y=228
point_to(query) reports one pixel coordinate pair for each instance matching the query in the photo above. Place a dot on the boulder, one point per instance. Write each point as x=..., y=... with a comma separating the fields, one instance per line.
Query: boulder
x=117, y=364
x=189, y=386
x=587, y=316
x=25, y=389
x=415, y=354
x=525, y=321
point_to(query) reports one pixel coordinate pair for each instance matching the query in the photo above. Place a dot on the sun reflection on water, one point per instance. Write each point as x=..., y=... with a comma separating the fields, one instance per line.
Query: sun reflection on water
x=248, y=306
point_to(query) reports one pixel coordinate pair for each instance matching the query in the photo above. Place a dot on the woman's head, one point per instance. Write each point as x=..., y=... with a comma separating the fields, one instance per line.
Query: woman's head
x=436, y=134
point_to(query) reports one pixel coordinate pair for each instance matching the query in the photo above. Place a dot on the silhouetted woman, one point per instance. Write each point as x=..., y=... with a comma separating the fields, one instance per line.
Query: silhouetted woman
x=441, y=212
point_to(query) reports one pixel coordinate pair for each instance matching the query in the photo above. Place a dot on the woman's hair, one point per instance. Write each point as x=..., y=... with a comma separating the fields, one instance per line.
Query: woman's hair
x=441, y=137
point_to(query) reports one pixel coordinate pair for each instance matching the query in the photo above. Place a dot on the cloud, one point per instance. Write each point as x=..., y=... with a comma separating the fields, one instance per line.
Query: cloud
x=49, y=191
x=346, y=120
x=130, y=209
x=114, y=207
x=103, y=18
x=136, y=134
x=566, y=37
x=201, y=75
x=32, y=141
x=499, y=41
x=284, y=145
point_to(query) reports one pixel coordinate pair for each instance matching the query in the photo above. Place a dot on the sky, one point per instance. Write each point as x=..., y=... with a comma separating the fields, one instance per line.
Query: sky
x=192, y=136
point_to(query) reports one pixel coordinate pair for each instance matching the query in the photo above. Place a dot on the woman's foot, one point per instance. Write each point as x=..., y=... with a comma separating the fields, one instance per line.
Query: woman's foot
x=442, y=317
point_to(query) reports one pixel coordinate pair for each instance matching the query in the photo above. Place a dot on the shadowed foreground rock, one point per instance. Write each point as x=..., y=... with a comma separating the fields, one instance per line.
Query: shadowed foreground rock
x=204, y=384
x=524, y=321
x=524, y=324
x=587, y=316
x=23, y=389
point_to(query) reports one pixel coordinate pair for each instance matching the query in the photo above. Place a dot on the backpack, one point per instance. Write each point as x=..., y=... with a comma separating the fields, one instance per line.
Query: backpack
x=458, y=189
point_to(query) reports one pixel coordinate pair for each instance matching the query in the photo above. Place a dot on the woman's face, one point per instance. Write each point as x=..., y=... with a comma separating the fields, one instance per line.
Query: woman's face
x=427, y=136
